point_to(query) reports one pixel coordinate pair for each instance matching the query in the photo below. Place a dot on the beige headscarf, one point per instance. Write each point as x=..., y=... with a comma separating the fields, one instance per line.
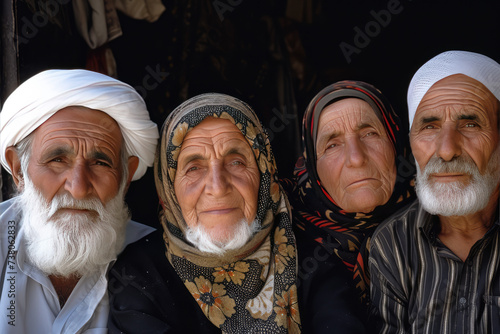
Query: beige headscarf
x=252, y=289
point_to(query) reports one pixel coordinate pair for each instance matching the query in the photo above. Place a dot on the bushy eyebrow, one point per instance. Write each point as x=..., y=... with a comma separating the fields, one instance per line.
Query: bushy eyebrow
x=63, y=151
x=235, y=150
x=98, y=155
x=190, y=157
x=427, y=120
x=197, y=156
x=467, y=117
x=56, y=152
x=430, y=119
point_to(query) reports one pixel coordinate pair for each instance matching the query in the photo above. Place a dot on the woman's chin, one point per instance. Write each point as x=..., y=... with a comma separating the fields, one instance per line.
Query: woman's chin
x=364, y=201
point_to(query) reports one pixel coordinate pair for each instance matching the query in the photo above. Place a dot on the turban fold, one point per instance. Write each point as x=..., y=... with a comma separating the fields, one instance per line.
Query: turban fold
x=474, y=65
x=41, y=96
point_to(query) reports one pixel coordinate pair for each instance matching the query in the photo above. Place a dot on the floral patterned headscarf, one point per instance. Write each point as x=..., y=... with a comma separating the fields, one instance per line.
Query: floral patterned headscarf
x=252, y=289
x=316, y=214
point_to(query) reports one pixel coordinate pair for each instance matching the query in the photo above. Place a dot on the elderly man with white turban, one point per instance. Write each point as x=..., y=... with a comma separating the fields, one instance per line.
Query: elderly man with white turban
x=435, y=266
x=72, y=140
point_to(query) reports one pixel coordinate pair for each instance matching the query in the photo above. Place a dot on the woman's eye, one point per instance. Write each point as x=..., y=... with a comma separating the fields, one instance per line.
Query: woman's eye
x=237, y=163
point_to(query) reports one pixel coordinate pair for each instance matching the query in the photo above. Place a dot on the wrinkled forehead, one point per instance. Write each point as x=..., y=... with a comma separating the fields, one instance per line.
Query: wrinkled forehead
x=84, y=115
x=81, y=127
x=461, y=94
x=213, y=133
x=349, y=108
x=185, y=123
x=81, y=121
x=337, y=96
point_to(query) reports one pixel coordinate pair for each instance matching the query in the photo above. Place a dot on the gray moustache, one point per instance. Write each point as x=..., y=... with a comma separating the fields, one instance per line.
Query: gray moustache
x=462, y=165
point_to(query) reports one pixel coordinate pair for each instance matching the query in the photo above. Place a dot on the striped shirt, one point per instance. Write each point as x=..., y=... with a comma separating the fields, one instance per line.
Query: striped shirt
x=419, y=286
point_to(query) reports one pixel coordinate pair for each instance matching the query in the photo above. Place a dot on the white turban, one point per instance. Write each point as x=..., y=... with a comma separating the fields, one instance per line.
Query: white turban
x=44, y=94
x=474, y=65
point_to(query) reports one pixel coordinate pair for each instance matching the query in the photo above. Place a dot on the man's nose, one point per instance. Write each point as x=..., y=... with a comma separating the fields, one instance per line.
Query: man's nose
x=448, y=143
x=78, y=182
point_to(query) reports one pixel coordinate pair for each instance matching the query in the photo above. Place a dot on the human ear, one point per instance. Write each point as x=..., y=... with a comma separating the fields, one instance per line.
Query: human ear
x=133, y=163
x=15, y=165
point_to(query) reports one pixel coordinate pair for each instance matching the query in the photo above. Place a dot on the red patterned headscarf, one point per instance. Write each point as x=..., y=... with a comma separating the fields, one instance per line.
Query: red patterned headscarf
x=316, y=214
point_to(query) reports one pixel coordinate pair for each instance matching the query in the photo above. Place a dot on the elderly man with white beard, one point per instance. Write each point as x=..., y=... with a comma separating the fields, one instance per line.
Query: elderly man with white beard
x=435, y=266
x=73, y=141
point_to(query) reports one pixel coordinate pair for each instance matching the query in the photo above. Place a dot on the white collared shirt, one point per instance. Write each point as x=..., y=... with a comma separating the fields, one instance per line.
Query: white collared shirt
x=29, y=302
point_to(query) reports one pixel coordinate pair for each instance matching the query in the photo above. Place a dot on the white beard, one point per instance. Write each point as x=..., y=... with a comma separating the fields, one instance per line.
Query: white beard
x=65, y=244
x=240, y=235
x=457, y=198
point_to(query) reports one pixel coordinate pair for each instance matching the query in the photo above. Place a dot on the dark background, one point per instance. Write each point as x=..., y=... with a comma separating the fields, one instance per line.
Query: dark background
x=274, y=55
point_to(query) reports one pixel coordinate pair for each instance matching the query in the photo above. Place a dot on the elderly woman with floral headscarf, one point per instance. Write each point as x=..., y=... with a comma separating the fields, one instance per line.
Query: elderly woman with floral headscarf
x=355, y=172
x=226, y=261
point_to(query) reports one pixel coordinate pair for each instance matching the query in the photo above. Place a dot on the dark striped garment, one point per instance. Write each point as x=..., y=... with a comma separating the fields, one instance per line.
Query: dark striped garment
x=419, y=286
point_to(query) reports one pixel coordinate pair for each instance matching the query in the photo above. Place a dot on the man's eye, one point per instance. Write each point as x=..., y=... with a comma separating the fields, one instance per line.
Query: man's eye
x=190, y=169
x=102, y=163
x=470, y=125
x=56, y=160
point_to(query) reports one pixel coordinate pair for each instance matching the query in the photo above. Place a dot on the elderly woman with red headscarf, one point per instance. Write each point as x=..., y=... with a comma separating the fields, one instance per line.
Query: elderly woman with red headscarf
x=355, y=172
